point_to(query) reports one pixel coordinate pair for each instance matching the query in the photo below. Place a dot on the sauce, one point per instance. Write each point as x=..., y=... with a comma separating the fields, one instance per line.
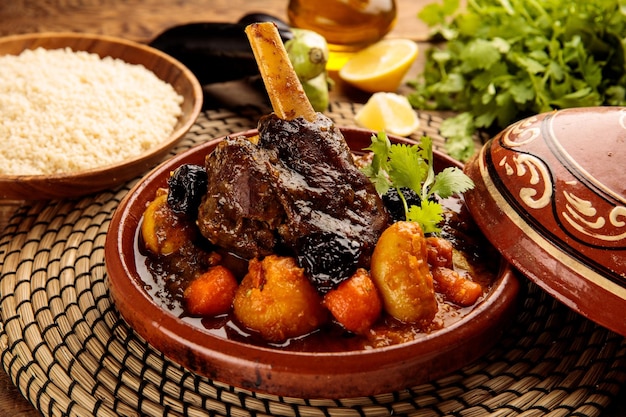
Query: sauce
x=165, y=285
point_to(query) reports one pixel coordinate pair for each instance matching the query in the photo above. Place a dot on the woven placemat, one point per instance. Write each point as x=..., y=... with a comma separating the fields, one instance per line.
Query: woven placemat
x=68, y=351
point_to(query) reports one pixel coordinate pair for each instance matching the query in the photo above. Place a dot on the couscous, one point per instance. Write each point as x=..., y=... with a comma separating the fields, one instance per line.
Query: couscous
x=63, y=111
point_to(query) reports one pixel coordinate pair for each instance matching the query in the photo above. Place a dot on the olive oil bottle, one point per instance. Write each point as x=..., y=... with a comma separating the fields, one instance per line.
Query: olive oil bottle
x=347, y=25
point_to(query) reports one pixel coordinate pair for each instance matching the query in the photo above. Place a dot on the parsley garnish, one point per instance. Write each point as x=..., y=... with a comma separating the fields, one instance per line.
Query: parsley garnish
x=401, y=166
x=504, y=60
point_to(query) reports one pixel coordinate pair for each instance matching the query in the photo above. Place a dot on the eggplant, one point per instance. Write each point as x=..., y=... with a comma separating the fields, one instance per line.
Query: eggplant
x=216, y=52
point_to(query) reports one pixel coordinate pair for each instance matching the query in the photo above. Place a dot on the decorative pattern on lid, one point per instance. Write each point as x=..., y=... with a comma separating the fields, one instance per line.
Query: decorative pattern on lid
x=558, y=179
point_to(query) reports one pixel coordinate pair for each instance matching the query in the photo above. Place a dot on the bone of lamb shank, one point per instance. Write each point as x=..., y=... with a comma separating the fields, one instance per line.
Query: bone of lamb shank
x=296, y=191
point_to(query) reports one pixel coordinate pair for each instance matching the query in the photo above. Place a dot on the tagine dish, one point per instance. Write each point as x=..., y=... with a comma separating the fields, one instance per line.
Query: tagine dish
x=299, y=259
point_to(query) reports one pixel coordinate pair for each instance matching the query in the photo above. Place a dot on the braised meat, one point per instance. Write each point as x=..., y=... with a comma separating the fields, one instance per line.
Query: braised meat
x=297, y=190
x=241, y=211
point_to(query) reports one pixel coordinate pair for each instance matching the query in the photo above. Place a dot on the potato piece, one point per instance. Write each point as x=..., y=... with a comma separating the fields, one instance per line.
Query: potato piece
x=276, y=300
x=456, y=288
x=355, y=303
x=281, y=81
x=212, y=293
x=400, y=271
x=164, y=232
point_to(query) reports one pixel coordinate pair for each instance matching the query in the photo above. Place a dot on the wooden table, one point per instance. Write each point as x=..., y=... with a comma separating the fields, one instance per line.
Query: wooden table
x=142, y=20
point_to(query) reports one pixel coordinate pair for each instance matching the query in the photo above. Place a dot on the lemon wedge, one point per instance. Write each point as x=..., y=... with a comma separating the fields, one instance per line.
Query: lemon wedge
x=389, y=112
x=381, y=66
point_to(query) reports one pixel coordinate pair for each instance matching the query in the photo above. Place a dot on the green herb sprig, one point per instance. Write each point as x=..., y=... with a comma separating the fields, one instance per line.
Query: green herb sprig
x=503, y=60
x=411, y=166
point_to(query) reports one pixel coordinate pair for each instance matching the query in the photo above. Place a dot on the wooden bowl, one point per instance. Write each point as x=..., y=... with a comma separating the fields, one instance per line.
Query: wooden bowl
x=29, y=187
x=550, y=196
x=280, y=372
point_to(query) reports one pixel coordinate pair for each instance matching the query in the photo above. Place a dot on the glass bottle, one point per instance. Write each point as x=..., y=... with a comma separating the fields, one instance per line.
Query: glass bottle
x=347, y=25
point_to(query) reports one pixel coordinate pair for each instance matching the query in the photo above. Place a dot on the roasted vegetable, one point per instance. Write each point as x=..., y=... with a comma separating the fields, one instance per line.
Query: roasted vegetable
x=456, y=288
x=277, y=301
x=163, y=231
x=355, y=303
x=439, y=252
x=400, y=271
x=212, y=293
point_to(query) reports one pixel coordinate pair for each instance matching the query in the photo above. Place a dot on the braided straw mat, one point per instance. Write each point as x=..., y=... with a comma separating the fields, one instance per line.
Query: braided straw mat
x=68, y=351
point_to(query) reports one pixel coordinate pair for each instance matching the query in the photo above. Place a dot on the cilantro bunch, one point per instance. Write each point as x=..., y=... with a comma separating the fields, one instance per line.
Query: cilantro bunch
x=504, y=60
x=411, y=166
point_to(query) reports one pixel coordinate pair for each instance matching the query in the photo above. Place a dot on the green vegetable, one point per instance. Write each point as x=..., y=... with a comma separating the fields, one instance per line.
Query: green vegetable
x=411, y=166
x=316, y=89
x=507, y=59
x=308, y=53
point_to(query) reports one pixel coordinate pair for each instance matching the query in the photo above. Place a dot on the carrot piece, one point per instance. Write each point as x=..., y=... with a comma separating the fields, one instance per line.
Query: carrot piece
x=439, y=251
x=281, y=81
x=355, y=303
x=212, y=293
x=456, y=288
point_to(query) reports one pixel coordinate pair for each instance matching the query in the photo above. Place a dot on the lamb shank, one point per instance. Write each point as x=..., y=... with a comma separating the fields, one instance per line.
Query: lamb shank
x=296, y=191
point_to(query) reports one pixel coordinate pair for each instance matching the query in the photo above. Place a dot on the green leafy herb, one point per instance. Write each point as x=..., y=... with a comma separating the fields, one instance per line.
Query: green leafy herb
x=411, y=166
x=504, y=60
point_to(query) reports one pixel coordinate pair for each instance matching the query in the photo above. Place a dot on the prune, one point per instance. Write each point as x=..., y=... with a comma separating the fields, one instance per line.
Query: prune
x=394, y=204
x=187, y=185
x=328, y=258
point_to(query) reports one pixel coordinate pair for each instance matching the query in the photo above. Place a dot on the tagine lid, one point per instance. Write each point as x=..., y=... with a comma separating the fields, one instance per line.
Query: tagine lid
x=550, y=194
